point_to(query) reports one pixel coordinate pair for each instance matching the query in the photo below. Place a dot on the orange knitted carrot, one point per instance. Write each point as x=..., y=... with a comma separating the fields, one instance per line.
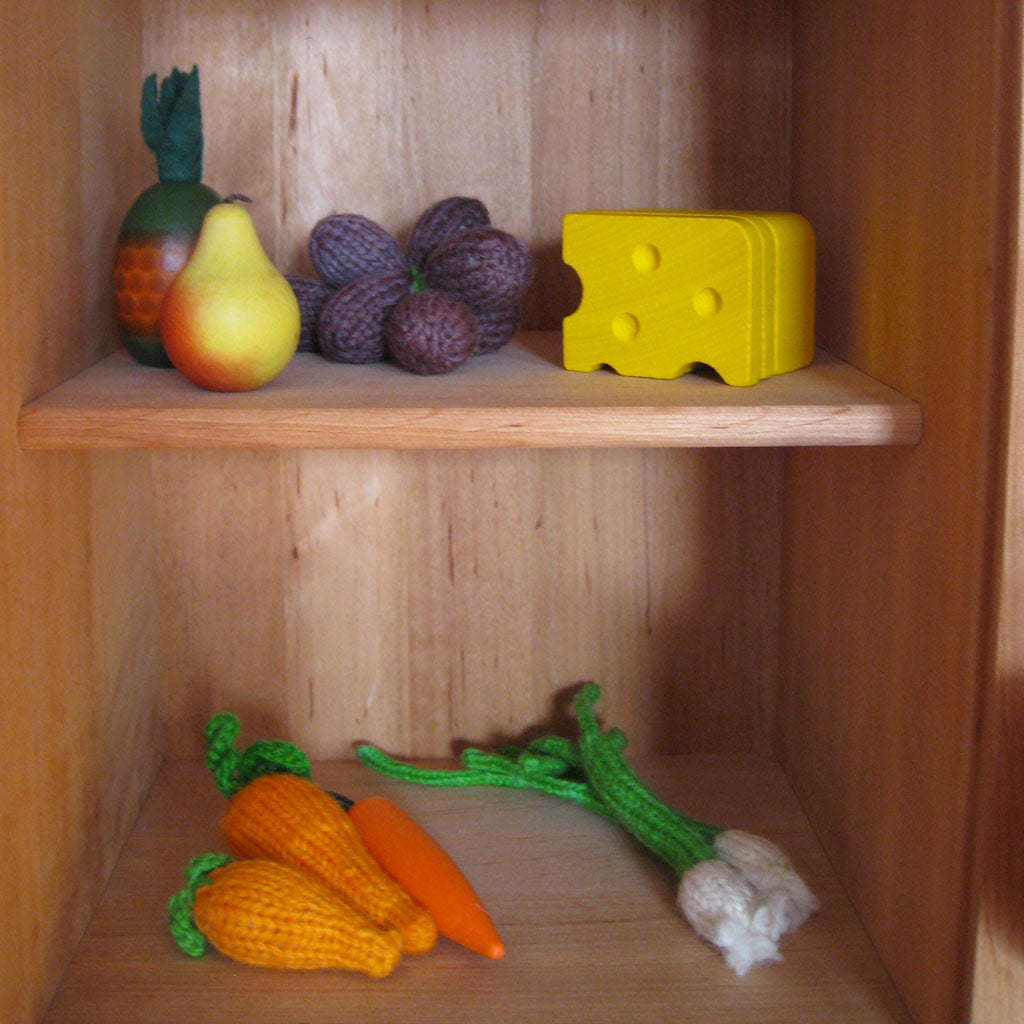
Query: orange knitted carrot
x=268, y=914
x=421, y=866
x=289, y=819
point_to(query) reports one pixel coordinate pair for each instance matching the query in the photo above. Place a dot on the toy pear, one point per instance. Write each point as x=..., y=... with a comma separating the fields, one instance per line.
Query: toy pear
x=229, y=320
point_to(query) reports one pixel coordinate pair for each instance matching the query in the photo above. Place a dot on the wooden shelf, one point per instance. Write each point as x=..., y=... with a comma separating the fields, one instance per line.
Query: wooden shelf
x=518, y=397
x=587, y=916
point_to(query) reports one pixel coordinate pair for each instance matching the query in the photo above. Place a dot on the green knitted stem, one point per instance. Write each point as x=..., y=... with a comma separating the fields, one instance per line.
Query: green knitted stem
x=481, y=769
x=179, y=907
x=592, y=772
x=233, y=769
x=681, y=842
x=172, y=125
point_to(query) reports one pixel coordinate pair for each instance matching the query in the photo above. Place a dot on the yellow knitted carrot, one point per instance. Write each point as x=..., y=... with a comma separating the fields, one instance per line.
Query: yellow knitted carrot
x=285, y=818
x=271, y=915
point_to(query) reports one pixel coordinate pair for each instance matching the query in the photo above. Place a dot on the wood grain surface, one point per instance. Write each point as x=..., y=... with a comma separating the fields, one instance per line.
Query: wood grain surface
x=587, y=916
x=517, y=397
x=847, y=609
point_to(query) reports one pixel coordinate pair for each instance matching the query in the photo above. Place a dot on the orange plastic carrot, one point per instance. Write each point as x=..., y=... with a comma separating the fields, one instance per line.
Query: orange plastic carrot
x=420, y=865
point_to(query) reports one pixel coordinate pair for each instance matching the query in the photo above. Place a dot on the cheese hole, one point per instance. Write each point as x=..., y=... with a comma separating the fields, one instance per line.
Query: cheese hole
x=707, y=302
x=625, y=326
x=646, y=258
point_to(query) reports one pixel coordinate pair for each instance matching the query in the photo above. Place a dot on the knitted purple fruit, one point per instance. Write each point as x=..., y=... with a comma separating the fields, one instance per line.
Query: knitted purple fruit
x=443, y=219
x=482, y=266
x=430, y=332
x=496, y=326
x=344, y=246
x=351, y=324
x=311, y=295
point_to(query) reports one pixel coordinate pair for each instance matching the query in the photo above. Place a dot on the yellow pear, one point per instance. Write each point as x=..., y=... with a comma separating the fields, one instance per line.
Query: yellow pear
x=229, y=321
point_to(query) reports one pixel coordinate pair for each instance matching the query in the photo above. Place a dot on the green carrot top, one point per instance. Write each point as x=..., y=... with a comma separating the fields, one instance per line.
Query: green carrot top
x=233, y=769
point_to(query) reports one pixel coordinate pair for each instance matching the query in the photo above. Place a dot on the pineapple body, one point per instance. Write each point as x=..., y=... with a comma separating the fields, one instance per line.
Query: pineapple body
x=154, y=243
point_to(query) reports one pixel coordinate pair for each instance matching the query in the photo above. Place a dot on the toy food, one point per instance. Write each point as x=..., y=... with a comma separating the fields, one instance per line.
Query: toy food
x=229, y=320
x=739, y=891
x=162, y=225
x=455, y=291
x=311, y=296
x=350, y=325
x=405, y=851
x=430, y=332
x=667, y=290
x=422, y=867
x=271, y=915
x=346, y=246
x=284, y=817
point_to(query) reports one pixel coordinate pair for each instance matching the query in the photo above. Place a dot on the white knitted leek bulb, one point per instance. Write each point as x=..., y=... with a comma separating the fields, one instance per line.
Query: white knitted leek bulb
x=745, y=901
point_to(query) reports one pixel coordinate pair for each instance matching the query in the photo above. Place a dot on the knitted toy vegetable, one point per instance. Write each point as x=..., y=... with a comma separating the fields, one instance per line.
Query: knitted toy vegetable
x=271, y=915
x=454, y=293
x=276, y=813
x=739, y=891
x=162, y=225
x=402, y=848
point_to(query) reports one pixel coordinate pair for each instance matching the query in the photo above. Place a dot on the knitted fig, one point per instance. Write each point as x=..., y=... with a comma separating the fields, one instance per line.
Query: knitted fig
x=431, y=332
x=454, y=293
x=482, y=266
x=443, y=219
x=162, y=225
x=311, y=296
x=350, y=328
x=344, y=246
x=495, y=326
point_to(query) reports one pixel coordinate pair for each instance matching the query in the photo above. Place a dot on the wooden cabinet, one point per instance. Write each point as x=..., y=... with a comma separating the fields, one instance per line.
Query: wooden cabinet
x=801, y=599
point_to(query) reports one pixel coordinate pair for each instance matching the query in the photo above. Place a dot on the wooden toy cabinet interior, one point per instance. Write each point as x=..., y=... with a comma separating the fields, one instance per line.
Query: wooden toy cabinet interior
x=807, y=619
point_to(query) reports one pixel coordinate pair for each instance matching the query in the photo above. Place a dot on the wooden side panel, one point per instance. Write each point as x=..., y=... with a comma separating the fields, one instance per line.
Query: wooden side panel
x=998, y=990
x=76, y=626
x=420, y=599
x=896, y=114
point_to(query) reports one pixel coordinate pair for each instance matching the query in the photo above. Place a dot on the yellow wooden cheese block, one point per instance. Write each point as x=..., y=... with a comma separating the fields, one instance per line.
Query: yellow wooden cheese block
x=666, y=290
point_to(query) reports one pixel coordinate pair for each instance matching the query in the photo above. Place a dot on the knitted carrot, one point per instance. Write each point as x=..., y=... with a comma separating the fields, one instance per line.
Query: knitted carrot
x=739, y=891
x=286, y=818
x=268, y=914
x=420, y=865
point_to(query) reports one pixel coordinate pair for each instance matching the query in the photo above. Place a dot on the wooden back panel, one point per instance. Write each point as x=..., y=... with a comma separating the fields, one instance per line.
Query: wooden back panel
x=419, y=599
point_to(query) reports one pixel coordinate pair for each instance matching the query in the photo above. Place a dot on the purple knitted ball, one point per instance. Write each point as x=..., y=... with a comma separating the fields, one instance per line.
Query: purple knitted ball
x=482, y=266
x=430, y=332
x=496, y=326
x=311, y=296
x=351, y=324
x=443, y=219
x=344, y=246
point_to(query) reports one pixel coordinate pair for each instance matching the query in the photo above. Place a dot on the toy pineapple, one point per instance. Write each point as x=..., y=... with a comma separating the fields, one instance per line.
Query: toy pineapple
x=162, y=225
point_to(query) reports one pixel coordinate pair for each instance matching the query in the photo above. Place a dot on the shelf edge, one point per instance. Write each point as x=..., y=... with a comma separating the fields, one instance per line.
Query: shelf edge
x=75, y=429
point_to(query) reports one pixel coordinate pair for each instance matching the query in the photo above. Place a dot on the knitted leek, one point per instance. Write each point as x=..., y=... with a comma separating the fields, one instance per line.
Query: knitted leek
x=739, y=891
